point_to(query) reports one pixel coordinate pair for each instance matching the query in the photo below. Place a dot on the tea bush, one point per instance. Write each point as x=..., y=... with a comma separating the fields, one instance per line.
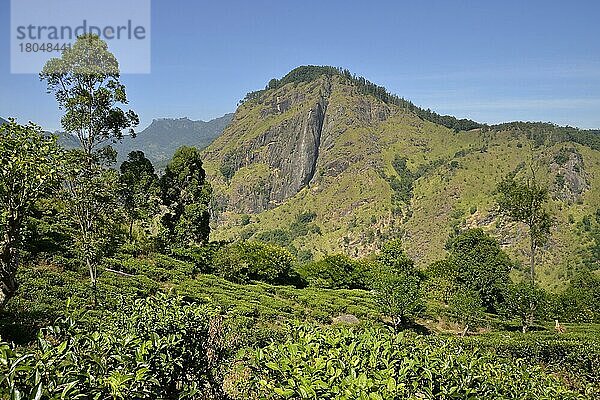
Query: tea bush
x=154, y=348
x=347, y=363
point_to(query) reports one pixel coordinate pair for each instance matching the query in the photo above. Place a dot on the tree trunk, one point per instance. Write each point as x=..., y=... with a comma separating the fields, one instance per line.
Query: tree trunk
x=131, y=230
x=464, y=332
x=93, y=274
x=9, y=261
x=524, y=328
x=532, y=261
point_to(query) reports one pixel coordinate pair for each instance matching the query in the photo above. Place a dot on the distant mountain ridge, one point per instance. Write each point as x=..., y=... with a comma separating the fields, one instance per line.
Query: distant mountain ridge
x=165, y=135
x=162, y=137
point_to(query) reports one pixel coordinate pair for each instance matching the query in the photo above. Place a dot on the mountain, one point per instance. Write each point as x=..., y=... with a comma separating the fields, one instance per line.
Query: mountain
x=322, y=161
x=163, y=136
x=66, y=140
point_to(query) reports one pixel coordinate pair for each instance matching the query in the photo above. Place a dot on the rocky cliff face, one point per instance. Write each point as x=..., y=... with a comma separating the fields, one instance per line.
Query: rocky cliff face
x=284, y=134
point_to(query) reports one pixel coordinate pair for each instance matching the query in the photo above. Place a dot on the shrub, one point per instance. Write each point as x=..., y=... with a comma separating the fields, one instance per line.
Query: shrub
x=393, y=256
x=579, y=302
x=153, y=348
x=398, y=297
x=243, y=262
x=336, y=272
x=477, y=262
x=350, y=363
x=526, y=302
x=466, y=308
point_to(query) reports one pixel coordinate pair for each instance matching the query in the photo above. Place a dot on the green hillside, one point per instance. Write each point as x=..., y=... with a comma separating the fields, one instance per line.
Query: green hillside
x=366, y=166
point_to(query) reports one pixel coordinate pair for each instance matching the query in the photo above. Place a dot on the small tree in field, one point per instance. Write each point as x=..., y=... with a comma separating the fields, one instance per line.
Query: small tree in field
x=395, y=258
x=397, y=285
x=525, y=202
x=138, y=186
x=525, y=301
x=30, y=167
x=398, y=296
x=467, y=308
x=479, y=264
x=186, y=193
x=85, y=82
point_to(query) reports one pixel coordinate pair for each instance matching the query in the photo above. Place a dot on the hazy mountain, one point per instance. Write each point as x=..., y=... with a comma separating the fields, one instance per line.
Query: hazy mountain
x=326, y=162
x=163, y=136
x=67, y=141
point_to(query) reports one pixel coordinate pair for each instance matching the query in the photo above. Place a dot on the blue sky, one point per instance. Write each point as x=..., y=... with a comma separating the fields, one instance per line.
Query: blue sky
x=490, y=61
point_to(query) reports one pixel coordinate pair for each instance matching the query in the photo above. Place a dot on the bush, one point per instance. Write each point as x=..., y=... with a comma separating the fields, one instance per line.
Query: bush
x=579, y=302
x=398, y=296
x=153, y=348
x=336, y=272
x=243, y=262
x=466, y=308
x=348, y=363
x=575, y=354
x=477, y=262
x=393, y=256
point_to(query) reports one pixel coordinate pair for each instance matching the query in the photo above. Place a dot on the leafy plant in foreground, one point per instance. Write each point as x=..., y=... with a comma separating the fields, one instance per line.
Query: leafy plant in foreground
x=347, y=363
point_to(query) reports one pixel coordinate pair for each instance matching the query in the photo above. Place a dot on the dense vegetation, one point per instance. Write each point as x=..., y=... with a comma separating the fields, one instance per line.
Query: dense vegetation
x=111, y=287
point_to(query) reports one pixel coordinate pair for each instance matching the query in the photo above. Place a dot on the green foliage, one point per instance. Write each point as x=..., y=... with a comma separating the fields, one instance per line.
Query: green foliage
x=47, y=232
x=466, y=308
x=255, y=261
x=157, y=267
x=138, y=188
x=574, y=355
x=348, y=363
x=279, y=237
x=303, y=225
x=228, y=167
x=245, y=220
x=157, y=347
x=91, y=206
x=85, y=81
x=395, y=259
x=540, y=131
x=401, y=184
x=261, y=304
x=477, y=262
x=526, y=302
x=30, y=167
x=398, y=296
x=186, y=193
x=579, y=302
x=336, y=272
x=525, y=202
x=397, y=285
